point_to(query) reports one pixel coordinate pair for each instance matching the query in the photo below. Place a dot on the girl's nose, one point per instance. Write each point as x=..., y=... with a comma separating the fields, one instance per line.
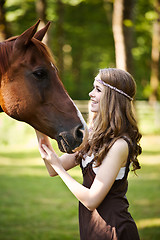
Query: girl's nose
x=91, y=93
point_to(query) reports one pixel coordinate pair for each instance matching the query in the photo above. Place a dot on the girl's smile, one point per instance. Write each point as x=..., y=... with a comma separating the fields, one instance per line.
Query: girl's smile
x=95, y=96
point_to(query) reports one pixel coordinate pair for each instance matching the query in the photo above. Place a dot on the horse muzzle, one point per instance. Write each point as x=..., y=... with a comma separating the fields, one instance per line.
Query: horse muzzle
x=73, y=141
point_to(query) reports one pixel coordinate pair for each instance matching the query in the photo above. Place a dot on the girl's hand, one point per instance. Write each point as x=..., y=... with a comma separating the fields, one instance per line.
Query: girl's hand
x=50, y=156
x=43, y=139
x=46, y=151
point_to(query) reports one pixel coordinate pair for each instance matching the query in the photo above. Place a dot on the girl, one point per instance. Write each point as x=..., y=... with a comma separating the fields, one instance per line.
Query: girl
x=112, y=146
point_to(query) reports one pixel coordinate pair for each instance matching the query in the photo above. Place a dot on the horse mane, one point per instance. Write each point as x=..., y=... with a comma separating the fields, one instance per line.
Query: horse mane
x=6, y=49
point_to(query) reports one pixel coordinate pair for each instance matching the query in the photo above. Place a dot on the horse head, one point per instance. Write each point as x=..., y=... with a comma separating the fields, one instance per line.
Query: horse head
x=31, y=91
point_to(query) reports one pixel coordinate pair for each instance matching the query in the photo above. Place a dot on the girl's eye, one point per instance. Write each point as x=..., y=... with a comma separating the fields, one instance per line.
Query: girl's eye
x=98, y=89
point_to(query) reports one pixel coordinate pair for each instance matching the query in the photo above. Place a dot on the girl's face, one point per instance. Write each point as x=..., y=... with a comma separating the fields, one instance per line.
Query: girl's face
x=95, y=96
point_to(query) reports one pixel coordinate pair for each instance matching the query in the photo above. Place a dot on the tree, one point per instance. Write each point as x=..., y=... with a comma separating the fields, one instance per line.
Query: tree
x=122, y=33
x=117, y=26
x=128, y=32
x=154, y=80
x=60, y=36
x=81, y=37
x=4, y=31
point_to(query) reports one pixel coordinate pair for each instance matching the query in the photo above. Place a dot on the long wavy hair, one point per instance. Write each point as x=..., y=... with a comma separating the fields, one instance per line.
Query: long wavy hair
x=115, y=119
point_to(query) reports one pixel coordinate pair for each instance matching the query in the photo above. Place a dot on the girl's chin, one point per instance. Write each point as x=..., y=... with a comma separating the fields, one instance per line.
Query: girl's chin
x=93, y=110
x=93, y=107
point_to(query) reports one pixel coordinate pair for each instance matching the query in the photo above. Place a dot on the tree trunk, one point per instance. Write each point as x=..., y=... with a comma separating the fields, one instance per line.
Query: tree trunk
x=123, y=33
x=60, y=37
x=128, y=32
x=117, y=26
x=76, y=70
x=4, y=32
x=154, y=80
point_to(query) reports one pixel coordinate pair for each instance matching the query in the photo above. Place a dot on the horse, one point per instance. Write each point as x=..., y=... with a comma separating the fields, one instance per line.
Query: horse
x=31, y=90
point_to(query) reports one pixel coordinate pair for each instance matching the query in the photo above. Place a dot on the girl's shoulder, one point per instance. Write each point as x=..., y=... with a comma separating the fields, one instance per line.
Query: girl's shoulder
x=120, y=148
x=120, y=144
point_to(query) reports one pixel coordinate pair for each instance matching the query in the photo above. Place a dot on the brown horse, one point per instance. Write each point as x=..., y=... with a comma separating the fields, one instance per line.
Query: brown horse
x=31, y=91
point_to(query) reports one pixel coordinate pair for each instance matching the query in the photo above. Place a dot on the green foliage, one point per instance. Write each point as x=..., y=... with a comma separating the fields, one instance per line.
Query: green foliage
x=142, y=45
x=86, y=28
x=90, y=40
x=20, y=15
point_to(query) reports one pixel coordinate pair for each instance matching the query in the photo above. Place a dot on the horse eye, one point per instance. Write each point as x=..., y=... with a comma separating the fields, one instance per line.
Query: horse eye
x=40, y=74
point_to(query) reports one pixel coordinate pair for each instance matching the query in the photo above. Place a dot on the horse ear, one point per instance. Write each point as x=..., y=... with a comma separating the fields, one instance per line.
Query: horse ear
x=26, y=36
x=40, y=34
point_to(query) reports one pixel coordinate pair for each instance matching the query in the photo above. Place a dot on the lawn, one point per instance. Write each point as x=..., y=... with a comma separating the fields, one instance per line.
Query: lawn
x=144, y=190
x=34, y=206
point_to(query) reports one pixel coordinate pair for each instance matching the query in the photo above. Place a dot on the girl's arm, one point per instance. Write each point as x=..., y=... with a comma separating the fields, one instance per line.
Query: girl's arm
x=105, y=177
x=67, y=160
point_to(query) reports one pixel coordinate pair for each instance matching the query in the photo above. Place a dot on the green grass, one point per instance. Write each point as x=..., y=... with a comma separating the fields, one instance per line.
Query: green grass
x=144, y=190
x=34, y=206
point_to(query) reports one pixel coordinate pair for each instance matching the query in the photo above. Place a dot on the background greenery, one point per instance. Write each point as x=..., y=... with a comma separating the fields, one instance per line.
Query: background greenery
x=34, y=206
x=82, y=30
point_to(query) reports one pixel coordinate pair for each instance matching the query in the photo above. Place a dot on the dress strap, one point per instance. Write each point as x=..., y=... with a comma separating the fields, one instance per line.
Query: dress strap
x=84, y=169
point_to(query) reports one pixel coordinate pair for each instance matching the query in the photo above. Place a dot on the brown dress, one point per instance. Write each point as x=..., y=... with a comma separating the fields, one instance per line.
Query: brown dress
x=111, y=220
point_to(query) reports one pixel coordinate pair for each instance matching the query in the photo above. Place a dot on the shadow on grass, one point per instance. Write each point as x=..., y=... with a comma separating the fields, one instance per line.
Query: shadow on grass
x=37, y=207
x=150, y=233
x=150, y=152
x=20, y=155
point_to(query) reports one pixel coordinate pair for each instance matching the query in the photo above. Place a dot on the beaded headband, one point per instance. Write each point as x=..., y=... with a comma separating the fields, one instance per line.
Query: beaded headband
x=114, y=88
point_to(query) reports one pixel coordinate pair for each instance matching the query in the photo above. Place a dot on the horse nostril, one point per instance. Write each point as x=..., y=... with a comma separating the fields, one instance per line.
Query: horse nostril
x=79, y=132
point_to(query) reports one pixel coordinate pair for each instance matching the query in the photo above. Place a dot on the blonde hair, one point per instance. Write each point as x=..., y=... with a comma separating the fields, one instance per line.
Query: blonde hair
x=115, y=118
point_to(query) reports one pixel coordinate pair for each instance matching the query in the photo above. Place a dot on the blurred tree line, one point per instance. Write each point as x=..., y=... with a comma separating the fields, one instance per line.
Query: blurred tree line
x=86, y=35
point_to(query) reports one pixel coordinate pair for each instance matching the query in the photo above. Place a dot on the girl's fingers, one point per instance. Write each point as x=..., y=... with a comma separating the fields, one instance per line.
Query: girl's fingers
x=44, y=145
x=47, y=150
x=43, y=153
x=50, y=156
x=41, y=150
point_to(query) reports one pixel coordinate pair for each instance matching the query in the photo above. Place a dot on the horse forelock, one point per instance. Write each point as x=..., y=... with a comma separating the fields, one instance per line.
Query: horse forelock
x=5, y=51
x=44, y=50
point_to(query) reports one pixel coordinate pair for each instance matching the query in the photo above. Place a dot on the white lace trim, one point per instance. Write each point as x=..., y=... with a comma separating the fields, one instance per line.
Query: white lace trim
x=88, y=159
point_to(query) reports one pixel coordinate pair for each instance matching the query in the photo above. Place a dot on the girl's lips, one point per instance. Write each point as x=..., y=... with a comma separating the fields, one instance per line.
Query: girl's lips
x=93, y=101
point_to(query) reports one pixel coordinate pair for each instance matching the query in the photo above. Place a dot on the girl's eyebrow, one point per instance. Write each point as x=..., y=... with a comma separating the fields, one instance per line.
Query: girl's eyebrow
x=97, y=86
